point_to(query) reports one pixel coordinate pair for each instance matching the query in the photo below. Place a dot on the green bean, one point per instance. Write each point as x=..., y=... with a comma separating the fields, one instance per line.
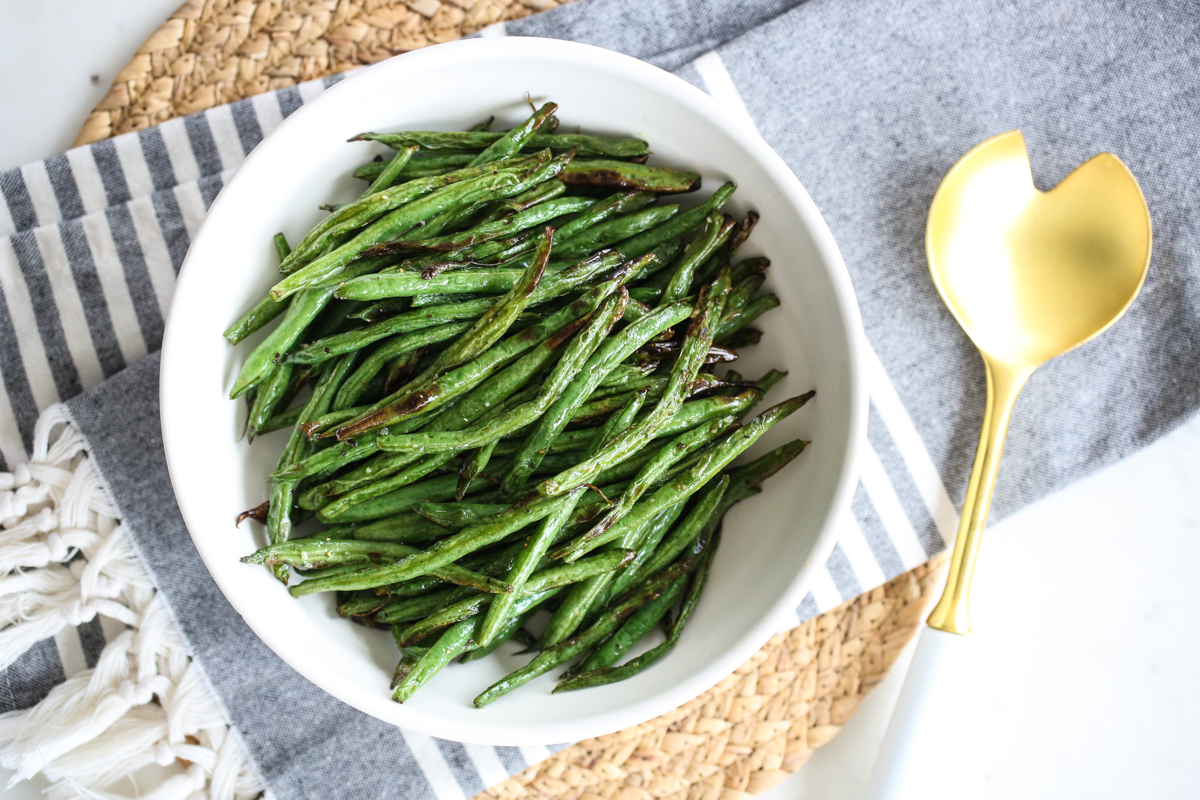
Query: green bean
x=538, y=583
x=361, y=606
x=332, y=417
x=765, y=384
x=563, y=652
x=530, y=217
x=570, y=614
x=587, y=598
x=623, y=375
x=605, y=675
x=746, y=477
x=284, y=419
x=615, y=230
x=740, y=235
x=279, y=521
x=368, y=576
x=677, y=225
x=331, y=267
x=752, y=311
x=605, y=407
x=443, y=618
x=333, y=231
x=583, y=145
x=331, y=459
x=726, y=449
x=531, y=197
x=417, y=587
x=511, y=142
x=410, y=474
x=667, y=253
x=457, y=640
x=690, y=414
x=755, y=265
x=420, y=167
x=535, y=547
x=319, y=551
x=408, y=661
x=645, y=294
x=466, y=541
x=601, y=402
x=402, y=528
x=606, y=209
x=556, y=417
x=742, y=293
x=688, y=531
x=282, y=248
x=635, y=628
x=726, y=252
x=359, y=338
x=384, y=309
x=568, y=367
x=441, y=487
x=469, y=410
x=264, y=310
x=512, y=253
x=548, y=334
x=358, y=382
x=267, y=398
x=658, y=528
x=456, y=516
x=619, y=421
x=626, y=175
x=452, y=644
x=301, y=312
x=717, y=230
x=408, y=284
x=691, y=357
x=473, y=464
x=414, y=608
x=679, y=447
x=388, y=175
x=496, y=321
x=511, y=628
x=743, y=337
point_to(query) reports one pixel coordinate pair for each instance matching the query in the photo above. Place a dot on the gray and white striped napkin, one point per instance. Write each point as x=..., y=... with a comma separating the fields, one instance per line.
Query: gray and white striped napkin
x=869, y=103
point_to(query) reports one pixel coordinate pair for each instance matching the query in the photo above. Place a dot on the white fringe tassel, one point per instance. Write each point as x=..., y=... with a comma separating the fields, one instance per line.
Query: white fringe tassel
x=145, y=702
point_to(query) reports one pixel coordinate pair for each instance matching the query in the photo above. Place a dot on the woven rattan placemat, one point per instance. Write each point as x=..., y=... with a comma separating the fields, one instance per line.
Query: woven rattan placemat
x=749, y=731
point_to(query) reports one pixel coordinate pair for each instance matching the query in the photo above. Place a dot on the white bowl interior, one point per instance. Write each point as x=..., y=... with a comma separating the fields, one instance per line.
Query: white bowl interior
x=771, y=543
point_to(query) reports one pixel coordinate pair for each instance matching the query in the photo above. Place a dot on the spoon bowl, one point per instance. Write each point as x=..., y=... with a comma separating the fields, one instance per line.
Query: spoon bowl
x=1030, y=274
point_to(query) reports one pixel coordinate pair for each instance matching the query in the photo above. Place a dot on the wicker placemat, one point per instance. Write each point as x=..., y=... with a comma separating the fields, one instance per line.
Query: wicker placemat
x=755, y=727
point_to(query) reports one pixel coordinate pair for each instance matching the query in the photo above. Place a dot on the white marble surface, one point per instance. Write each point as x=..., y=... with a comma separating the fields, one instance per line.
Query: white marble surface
x=1080, y=680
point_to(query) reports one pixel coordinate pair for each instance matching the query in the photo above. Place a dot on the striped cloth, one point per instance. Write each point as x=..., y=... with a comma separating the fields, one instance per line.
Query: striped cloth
x=854, y=99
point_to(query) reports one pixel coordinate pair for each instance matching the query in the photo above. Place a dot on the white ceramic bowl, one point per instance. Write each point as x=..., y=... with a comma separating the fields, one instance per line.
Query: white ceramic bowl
x=771, y=544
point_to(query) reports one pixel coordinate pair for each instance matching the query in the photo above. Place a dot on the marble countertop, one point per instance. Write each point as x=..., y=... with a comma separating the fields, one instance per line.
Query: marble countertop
x=1079, y=681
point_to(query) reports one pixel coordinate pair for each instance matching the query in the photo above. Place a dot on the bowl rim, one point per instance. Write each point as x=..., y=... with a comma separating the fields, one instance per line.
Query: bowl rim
x=785, y=604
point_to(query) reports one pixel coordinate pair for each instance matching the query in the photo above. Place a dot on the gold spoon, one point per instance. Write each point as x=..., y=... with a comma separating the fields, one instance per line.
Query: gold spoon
x=1029, y=275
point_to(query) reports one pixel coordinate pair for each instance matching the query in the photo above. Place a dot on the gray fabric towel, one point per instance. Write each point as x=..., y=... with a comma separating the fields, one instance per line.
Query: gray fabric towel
x=870, y=103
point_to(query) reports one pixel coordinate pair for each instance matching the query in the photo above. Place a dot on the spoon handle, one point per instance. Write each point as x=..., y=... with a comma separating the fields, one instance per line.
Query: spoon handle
x=904, y=758
x=1004, y=383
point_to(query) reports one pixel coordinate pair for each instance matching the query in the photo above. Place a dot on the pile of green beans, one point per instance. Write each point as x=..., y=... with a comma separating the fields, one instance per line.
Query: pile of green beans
x=497, y=370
